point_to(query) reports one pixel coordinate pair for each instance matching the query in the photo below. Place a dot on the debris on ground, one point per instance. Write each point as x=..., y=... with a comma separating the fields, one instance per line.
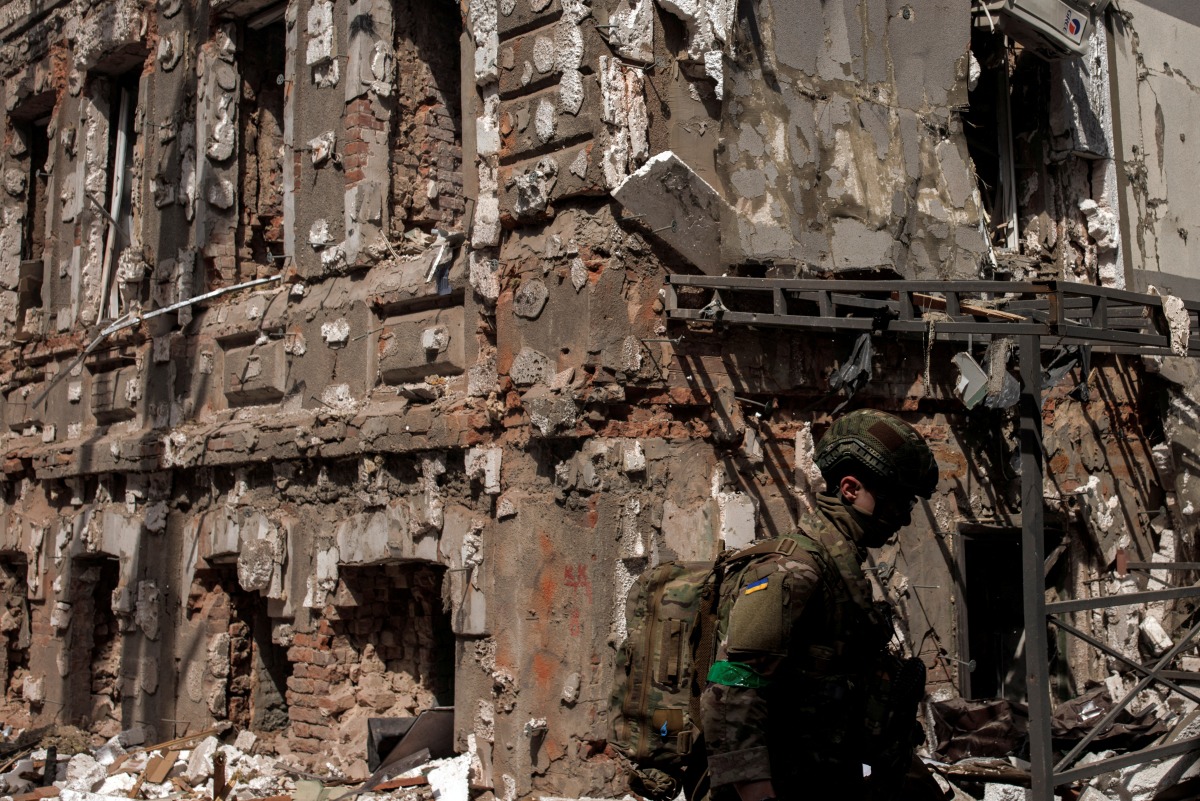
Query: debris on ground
x=979, y=747
x=208, y=765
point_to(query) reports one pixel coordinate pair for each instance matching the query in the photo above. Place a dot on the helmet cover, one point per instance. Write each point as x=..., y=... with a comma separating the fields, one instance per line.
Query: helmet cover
x=885, y=446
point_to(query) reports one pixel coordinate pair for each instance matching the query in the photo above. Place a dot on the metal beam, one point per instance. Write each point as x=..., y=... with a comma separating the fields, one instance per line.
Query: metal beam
x=1136, y=758
x=1059, y=313
x=1119, y=706
x=1126, y=599
x=1104, y=318
x=1033, y=558
x=1159, y=675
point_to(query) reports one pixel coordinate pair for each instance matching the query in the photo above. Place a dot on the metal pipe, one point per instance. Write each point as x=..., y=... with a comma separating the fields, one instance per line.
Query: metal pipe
x=126, y=321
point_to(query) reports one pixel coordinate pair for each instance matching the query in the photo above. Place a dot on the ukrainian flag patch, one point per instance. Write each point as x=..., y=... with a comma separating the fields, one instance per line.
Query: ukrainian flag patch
x=761, y=584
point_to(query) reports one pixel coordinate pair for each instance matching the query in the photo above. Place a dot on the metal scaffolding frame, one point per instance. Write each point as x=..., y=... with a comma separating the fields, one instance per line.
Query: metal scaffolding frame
x=1094, y=319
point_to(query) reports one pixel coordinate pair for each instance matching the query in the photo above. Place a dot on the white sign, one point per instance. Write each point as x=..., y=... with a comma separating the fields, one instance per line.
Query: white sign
x=1074, y=23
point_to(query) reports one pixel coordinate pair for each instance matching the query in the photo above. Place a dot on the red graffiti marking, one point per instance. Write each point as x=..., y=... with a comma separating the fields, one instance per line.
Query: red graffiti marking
x=577, y=578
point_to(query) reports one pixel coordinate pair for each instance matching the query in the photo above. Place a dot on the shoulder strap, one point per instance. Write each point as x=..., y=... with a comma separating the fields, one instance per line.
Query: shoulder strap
x=784, y=545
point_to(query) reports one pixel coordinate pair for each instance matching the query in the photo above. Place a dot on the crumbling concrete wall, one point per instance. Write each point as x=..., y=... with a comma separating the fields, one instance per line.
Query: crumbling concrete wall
x=1155, y=93
x=840, y=140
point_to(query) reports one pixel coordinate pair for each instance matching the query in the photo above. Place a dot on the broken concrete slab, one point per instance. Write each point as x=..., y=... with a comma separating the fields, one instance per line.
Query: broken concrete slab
x=680, y=207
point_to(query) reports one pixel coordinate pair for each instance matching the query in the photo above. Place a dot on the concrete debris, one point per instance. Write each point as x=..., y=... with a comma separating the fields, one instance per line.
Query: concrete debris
x=1177, y=322
x=679, y=206
x=199, y=767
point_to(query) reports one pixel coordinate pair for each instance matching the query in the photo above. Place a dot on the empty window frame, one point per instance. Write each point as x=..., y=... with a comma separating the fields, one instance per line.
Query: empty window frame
x=260, y=231
x=119, y=196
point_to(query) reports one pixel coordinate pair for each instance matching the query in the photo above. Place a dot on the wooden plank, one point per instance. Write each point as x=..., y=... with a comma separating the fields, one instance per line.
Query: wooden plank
x=159, y=767
x=395, y=784
x=934, y=303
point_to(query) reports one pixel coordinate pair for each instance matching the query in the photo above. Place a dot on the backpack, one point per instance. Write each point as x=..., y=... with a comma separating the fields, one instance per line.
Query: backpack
x=671, y=619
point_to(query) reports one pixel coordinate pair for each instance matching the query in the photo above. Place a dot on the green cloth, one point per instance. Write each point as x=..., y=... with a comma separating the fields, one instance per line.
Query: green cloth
x=736, y=674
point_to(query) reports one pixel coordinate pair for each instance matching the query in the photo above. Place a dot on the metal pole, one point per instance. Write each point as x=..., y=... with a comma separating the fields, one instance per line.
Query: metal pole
x=1037, y=679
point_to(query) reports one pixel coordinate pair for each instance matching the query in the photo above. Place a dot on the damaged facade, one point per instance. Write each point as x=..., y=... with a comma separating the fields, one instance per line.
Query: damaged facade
x=427, y=421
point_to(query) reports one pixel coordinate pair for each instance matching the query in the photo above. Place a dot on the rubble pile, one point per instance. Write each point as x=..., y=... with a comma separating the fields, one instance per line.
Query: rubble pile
x=207, y=766
x=978, y=747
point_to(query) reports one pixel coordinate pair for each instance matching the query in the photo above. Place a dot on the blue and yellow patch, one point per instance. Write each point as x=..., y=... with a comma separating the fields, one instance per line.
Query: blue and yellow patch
x=761, y=584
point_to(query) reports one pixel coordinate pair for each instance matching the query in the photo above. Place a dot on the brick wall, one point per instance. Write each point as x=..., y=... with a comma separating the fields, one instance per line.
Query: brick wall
x=382, y=648
x=427, y=157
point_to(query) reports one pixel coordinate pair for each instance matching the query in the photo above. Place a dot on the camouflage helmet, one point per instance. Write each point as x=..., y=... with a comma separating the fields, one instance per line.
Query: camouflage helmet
x=889, y=448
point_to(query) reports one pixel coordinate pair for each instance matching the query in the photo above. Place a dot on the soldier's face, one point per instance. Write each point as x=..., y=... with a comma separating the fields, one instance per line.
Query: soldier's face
x=891, y=511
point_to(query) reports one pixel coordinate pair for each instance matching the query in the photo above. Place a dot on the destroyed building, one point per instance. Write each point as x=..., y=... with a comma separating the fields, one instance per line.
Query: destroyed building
x=340, y=378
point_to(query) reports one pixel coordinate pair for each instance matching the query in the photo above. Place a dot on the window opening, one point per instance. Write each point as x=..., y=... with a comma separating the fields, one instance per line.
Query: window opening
x=389, y=622
x=990, y=136
x=427, y=170
x=261, y=153
x=15, y=627
x=30, y=124
x=33, y=239
x=119, y=209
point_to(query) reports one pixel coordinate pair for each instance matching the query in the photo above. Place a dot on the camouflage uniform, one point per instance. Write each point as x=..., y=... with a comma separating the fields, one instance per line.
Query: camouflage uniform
x=795, y=622
x=798, y=693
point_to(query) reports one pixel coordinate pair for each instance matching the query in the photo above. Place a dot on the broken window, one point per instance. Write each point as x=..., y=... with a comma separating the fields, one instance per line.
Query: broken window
x=249, y=668
x=261, y=159
x=32, y=145
x=14, y=624
x=95, y=692
x=427, y=180
x=1037, y=131
x=118, y=209
x=988, y=125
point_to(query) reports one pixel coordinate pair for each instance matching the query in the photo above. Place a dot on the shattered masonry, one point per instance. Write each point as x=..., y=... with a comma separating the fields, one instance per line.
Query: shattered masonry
x=423, y=467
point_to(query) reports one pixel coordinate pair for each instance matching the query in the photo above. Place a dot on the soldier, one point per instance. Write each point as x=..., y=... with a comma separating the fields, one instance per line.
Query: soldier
x=805, y=689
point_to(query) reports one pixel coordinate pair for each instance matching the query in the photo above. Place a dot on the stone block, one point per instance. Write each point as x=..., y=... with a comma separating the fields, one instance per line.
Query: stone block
x=536, y=122
x=517, y=17
x=256, y=373
x=423, y=344
x=383, y=536
x=19, y=412
x=680, y=206
x=404, y=284
x=530, y=367
x=579, y=172
x=532, y=60
x=115, y=395
x=739, y=514
x=483, y=465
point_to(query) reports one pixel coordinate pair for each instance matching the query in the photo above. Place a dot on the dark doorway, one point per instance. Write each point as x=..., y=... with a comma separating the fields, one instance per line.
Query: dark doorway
x=258, y=667
x=14, y=623
x=95, y=693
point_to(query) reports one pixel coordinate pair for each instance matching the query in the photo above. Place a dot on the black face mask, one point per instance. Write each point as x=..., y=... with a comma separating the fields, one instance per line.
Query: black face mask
x=881, y=526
